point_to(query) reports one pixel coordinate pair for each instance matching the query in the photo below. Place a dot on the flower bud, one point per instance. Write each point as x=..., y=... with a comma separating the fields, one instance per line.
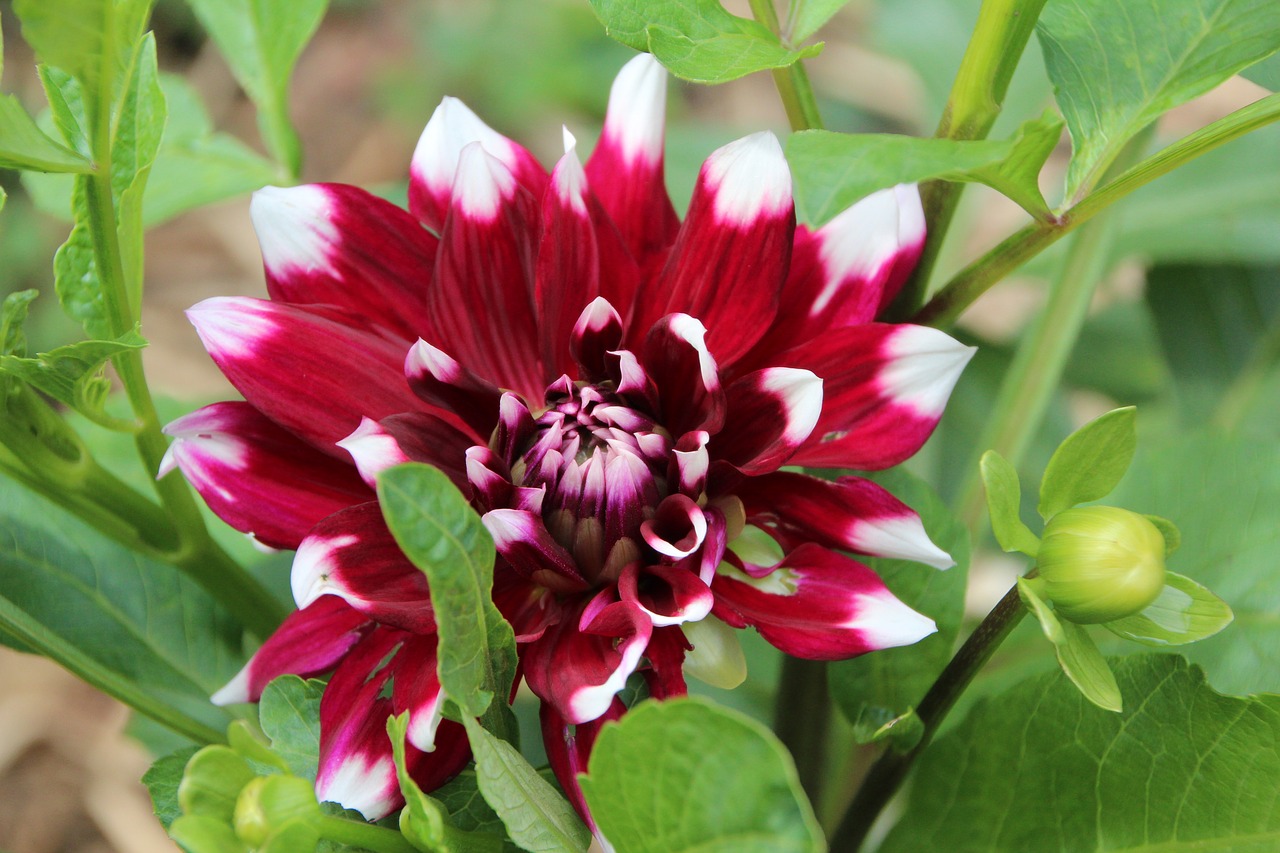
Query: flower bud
x=1100, y=563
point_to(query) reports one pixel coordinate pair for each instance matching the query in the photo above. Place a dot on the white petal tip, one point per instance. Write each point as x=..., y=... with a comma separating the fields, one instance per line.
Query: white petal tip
x=900, y=538
x=368, y=787
x=924, y=366
x=482, y=183
x=295, y=227
x=453, y=126
x=885, y=622
x=636, y=117
x=235, y=692
x=750, y=179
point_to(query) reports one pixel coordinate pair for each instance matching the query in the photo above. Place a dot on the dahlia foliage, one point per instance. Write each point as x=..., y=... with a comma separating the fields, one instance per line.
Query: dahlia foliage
x=617, y=392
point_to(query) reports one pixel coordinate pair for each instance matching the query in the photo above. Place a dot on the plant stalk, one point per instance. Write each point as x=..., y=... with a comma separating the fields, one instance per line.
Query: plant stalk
x=977, y=278
x=802, y=720
x=365, y=836
x=792, y=82
x=977, y=96
x=890, y=770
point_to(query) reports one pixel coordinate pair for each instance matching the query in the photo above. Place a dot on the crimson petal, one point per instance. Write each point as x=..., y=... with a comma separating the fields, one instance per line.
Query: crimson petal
x=772, y=412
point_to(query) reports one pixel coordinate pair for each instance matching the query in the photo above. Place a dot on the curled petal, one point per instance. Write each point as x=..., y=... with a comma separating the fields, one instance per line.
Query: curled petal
x=333, y=244
x=313, y=376
x=885, y=388
x=257, y=477
x=439, y=380
x=685, y=374
x=522, y=539
x=309, y=642
x=772, y=412
x=852, y=513
x=666, y=655
x=353, y=555
x=677, y=529
x=578, y=666
x=411, y=437
x=434, y=169
x=820, y=605
x=670, y=595
x=597, y=332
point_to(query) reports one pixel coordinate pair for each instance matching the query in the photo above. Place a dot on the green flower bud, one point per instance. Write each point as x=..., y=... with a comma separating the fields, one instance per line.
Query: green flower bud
x=1101, y=563
x=270, y=803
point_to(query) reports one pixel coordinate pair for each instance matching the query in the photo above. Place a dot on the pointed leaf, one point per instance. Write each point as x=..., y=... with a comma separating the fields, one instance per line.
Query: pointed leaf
x=162, y=780
x=686, y=775
x=1040, y=609
x=696, y=39
x=1089, y=462
x=1038, y=768
x=25, y=146
x=806, y=17
x=13, y=316
x=1004, y=501
x=1087, y=669
x=1183, y=612
x=73, y=374
x=537, y=817
x=1172, y=535
x=262, y=40
x=443, y=536
x=833, y=170
x=1116, y=67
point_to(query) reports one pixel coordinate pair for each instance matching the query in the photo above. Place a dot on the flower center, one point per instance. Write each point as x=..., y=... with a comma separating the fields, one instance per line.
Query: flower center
x=604, y=466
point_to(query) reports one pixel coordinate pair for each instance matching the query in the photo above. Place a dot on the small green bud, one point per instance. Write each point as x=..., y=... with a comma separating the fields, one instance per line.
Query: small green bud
x=1101, y=563
x=269, y=803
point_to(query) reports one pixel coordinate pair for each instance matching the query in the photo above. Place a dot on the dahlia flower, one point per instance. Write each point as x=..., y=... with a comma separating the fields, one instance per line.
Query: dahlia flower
x=615, y=390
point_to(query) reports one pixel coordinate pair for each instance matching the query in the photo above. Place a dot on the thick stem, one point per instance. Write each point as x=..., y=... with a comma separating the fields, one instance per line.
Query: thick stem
x=891, y=769
x=1034, y=375
x=365, y=836
x=792, y=82
x=977, y=278
x=977, y=95
x=17, y=624
x=802, y=718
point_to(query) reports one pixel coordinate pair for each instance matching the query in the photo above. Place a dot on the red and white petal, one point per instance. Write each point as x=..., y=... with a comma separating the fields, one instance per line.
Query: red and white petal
x=437, y=378
x=352, y=555
x=417, y=690
x=410, y=437
x=257, y=477
x=597, y=333
x=771, y=413
x=885, y=387
x=434, y=168
x=356, y=769
x=690, y=462
x=569, y=747
x=567, y=275
x=665, y=654
x=731, y=258
x=522, y=539
x=309, y=642
x=851, y=513
x=678, y=527
x=482, y=293
x=677, y=360
x=670, y=595
x=333, y=244
x=821, y=605
x=579, y=665
x=625, y=169
x=313, y=376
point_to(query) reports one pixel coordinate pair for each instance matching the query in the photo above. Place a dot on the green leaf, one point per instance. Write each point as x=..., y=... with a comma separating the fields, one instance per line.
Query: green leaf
x=1084, y=665
x=75, y=272
x=73, y=374
x=1266, y=73
x=696, y=39
x=131, y=615
x=443, y=536
x=162, y=780
x=686, y=775
x=425, y=822
x=536, y=816
x=289, y=713
x=1089, y=463
x=1184, y=612
x=13, y=316
x=203, y=834
x=833, y=170
x=1225, y=494
x=1039, y=608
x=68, y=34
x=1004, y=504
x=1038, y=768
x=874, y=690
x=806, y=17
x=467, y=809
x=1116, y=67
x=25, y=146
x=138, y=127
x=261, y=41
x=1169, y=531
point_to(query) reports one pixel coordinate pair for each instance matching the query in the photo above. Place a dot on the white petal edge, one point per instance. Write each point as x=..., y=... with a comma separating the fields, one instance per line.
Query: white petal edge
x=750, y=179
x=859, y=242
x=355, y=786
x=899, y=538
x=295, y=228
x=373, y=450
x=885, y=622
x=923, y=366
x=636, y=118
x=801, y=394
x=453, y=126
x=313, y=565
x=231, y=325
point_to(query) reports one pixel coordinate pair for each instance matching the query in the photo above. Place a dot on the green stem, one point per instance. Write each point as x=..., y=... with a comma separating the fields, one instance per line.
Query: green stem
x=977, y=278
x=792, y=82
x=34, y=636
x=890, y=770
x=977, y=95
x=802, y=718
x=365, y=836
x=1033, y=377
x=197, y=554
